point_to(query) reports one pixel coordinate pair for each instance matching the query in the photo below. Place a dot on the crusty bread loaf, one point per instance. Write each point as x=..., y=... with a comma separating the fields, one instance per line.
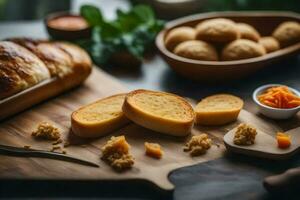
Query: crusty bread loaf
x=99, y=118
x=25, y=62
x=19, y=69
x=159, y=111
x=61, y=58
x=218, y=109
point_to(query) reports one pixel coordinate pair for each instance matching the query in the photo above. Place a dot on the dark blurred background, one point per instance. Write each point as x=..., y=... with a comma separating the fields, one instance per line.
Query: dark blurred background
x=167, y=9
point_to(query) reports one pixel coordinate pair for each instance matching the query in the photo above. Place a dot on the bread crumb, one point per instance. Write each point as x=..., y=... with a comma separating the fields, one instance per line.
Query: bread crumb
x=66, y=144
x=27, y=147
x=57, y=142
x=198, y=144
x=153, y=150
x=244, y=135
x=55, y=148
x=116, y=153
x=46, y=131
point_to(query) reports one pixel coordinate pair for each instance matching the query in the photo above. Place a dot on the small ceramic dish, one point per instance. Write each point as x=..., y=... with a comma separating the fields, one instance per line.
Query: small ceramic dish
x=67, y=26
x=264, y=22
x=274, y=113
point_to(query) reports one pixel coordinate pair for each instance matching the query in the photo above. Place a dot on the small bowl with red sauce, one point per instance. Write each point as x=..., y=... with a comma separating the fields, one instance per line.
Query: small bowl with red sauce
x=67, y=26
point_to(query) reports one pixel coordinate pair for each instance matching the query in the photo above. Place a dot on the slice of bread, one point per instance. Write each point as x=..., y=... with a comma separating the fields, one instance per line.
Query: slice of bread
x=100, y=117
x=163, y=112
x=218, y=109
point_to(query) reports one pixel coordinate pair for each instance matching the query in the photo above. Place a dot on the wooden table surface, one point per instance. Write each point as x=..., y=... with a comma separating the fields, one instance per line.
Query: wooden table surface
x=155, y=74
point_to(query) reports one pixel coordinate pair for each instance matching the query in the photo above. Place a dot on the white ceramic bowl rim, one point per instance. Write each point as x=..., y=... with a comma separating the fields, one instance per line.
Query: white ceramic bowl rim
x=264, y=87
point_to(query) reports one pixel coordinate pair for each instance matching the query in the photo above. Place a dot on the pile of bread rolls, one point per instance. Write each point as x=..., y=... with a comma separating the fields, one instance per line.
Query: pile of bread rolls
x=222, y=39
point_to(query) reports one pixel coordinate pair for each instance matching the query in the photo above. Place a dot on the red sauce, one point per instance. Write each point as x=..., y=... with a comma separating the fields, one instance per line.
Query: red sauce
x=70, y=23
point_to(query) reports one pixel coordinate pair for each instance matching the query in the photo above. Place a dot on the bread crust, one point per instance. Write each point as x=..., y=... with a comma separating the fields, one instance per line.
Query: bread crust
x=158, y=123
x=92, y=130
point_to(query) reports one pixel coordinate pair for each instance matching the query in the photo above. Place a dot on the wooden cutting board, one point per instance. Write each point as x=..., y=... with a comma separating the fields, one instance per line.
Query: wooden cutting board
x=16, y=131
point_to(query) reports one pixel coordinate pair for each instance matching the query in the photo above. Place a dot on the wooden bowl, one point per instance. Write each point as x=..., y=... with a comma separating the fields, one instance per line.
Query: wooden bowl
x=264, y=22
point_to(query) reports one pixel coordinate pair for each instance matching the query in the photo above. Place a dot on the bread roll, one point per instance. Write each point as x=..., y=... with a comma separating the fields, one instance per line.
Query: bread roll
x=287, y=33
x=219, y=30
x=270, y=44
x=242, y=49
x=178, y=35
x=196, y=49
x=248, y=32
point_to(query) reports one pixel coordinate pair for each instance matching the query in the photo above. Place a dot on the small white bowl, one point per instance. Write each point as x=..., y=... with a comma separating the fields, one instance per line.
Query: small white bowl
x=274, y=113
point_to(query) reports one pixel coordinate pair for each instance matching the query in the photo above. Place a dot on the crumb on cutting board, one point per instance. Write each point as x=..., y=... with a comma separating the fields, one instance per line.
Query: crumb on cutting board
x=116, y=153
x=66, y=144
x=153, y=150
x=57, y=141
x=244, y=135
x=198, y=144
x=55, y=148
x=46, y=131
x=27, y=147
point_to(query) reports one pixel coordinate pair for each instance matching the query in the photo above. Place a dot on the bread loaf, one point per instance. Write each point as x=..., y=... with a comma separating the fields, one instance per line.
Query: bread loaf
x=19, y=69
x=52, y=67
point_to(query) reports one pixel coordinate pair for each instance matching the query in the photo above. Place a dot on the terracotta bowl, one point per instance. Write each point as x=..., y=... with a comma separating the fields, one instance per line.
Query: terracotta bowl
x=69, y=35
x=264, y=22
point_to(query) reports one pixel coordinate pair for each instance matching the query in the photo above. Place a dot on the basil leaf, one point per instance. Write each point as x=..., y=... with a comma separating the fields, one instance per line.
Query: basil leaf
x=127, y=21
x=132, y=32
x=144, y=13
x=92, y=15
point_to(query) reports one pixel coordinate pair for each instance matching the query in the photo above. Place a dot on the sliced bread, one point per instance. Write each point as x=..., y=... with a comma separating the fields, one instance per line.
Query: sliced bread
x=162, y=112
x=100, y=117
x=218, y=109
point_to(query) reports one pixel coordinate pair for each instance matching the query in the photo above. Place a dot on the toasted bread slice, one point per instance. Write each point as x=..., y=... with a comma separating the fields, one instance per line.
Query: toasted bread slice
x=100, y=117
x=218, y=109
x=159, y=111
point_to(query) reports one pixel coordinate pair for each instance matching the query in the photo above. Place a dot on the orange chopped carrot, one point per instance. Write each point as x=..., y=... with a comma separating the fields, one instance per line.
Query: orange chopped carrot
x=279, y=97
x=283, y=140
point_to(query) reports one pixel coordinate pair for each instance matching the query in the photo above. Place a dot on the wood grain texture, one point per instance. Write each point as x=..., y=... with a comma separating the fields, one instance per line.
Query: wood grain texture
x=16, y=131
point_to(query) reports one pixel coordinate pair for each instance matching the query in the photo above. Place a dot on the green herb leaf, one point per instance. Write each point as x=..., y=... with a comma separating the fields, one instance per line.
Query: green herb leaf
x=144, y=13
x=92, y=15
x=133, y=32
